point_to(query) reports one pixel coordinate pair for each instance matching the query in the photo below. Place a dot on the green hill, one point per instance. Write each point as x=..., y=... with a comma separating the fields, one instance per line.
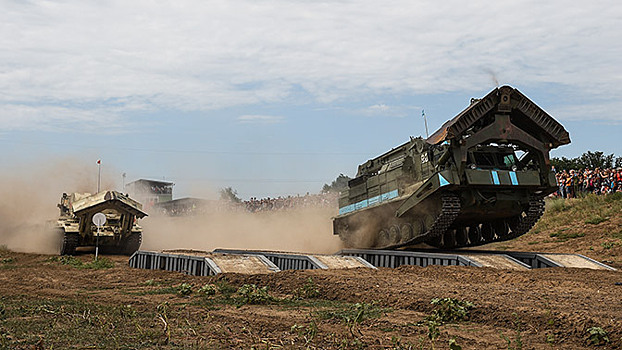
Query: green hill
x=591, y=226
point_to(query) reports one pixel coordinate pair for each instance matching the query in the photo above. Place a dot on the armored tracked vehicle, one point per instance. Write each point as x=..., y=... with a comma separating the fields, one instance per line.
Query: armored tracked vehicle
x=480, y=178
x=120, y=233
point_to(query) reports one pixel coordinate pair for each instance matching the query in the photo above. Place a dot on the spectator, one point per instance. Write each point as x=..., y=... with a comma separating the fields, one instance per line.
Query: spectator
x=597, y=181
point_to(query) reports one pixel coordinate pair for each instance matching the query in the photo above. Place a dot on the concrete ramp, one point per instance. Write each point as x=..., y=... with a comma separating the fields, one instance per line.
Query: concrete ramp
x=199, y=263
x=246, y=264
x=298, y=261
x=202, y=263
x=576, y=261
x=225, y=262
x=497, y=261
x=342, y=262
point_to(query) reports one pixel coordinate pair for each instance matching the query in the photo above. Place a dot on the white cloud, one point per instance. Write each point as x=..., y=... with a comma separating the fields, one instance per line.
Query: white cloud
x=55, y=118
x=384, y=110
x=202, y=55
x=261, y=119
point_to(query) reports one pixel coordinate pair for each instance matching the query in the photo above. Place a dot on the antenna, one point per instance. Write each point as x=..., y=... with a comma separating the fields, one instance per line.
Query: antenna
x=99, y=173
x=425, y=120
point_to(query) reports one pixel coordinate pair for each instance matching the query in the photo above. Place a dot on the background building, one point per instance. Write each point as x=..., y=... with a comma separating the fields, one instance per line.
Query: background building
x=150, y=192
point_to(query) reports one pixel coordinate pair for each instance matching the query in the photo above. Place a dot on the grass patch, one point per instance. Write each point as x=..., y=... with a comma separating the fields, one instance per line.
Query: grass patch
x=27, y=323
x=159, y=291
x=223, y=293
x=595, y=220
x=351, y=314
x=558, y=205
x=308, y=291
x=617, y=235
x=562, y=236
x=591, y=209
x=445, y=310
x=101, y=263
x=614, y=197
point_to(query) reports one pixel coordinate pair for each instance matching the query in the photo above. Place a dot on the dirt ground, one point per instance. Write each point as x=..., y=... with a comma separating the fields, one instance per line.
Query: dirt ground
x=47, y=304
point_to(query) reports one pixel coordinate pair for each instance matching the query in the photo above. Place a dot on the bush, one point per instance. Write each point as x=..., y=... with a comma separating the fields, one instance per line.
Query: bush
x=184, y=289
x=251, y=294
x=450, y=310
x=598, y=336
x=225, y=288
x=7, y=261
x=308, y=291
x=207, y=290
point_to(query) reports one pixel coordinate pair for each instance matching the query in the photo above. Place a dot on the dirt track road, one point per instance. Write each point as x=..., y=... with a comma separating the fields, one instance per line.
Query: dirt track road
x=51, y=305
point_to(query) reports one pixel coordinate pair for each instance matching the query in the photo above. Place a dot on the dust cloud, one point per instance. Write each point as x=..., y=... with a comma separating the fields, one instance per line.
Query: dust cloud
x=28, y=197
x=29, y=194
x=307, y=230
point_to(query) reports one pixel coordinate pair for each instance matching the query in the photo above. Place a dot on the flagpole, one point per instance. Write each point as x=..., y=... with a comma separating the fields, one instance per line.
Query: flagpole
x=425, y=120
x=99, y=174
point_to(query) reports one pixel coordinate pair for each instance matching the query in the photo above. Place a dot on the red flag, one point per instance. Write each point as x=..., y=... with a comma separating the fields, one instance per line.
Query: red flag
x=99, y=161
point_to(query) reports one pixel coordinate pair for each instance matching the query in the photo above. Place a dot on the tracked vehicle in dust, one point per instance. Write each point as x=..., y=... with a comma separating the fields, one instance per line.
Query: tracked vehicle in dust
x=120, y=233
x=480, y=178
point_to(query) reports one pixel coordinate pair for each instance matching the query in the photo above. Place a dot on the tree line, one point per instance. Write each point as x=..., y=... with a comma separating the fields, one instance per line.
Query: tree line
x=588, y=160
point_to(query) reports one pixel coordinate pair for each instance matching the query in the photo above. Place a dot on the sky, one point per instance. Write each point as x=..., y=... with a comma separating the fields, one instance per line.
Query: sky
x=277, y=97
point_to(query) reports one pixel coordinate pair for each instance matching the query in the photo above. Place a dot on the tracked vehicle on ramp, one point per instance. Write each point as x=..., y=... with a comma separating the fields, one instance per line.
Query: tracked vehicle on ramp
x=120, y=233
x=480, y=178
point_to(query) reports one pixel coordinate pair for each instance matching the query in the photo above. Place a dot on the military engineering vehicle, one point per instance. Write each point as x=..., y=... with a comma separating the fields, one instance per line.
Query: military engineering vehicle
x=480, y=178
x=120, y=233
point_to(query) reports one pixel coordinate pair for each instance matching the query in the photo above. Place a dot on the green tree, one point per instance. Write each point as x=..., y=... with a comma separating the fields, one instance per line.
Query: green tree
x=338, y=185
x=588, y=160
x=230, y=195
x=564, y=163
x=592, y=160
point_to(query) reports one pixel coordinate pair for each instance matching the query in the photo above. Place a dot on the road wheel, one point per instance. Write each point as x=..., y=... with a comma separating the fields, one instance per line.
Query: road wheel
x=407, y=233
x=475, y=235
x=462, y=237
x=449, y=239
x=70, y=242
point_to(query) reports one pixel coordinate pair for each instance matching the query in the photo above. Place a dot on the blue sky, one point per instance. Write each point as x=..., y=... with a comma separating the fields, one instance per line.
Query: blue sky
x=280, y=97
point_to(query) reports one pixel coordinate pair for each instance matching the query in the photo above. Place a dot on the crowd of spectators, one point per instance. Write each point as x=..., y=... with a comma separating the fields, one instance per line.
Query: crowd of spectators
x=254, y=205
x=598, y=181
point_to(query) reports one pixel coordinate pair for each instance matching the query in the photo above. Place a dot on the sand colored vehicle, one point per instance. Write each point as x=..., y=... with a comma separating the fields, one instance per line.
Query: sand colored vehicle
x=120, y=233
x=480, y=178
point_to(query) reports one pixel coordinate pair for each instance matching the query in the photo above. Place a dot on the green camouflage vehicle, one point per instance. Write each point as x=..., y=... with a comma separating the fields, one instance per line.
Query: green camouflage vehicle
x=480, y=178
x=120, y=233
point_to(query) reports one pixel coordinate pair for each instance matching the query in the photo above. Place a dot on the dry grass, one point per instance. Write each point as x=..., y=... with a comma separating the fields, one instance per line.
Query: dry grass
x=591, y=209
